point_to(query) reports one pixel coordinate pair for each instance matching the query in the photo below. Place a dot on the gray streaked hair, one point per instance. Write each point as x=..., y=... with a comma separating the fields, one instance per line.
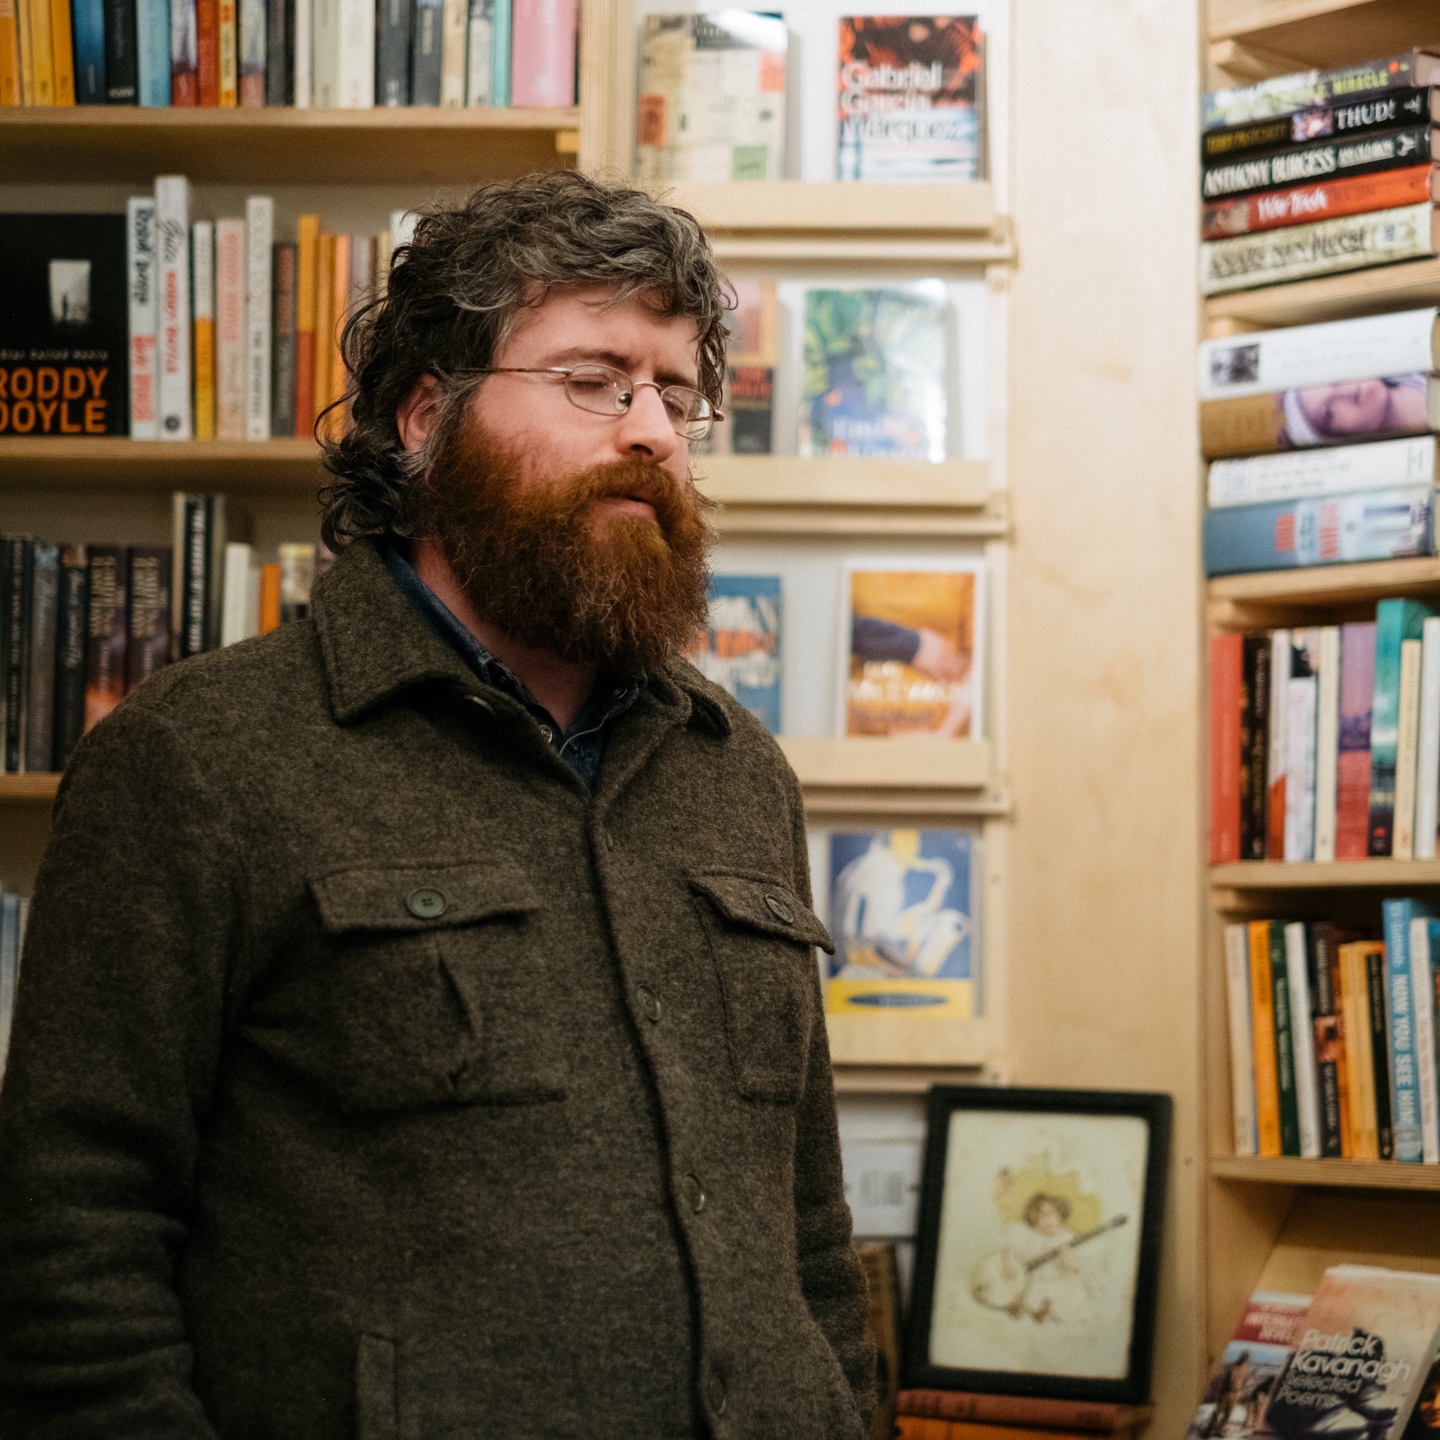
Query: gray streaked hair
x=455, y=292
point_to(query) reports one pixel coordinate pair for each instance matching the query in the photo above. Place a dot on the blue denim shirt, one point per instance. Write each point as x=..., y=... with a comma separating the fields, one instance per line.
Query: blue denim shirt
x=583, y=744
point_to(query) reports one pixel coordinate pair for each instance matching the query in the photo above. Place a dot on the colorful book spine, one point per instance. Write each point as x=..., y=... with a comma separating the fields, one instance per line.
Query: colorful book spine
x=207, y=51
x=251, y=45
x=392, y=52
x=1378, y=1014
x=1301, y=700
x=1408, y=106
x=324, y=323
x=452, y=72
x=500, y=54
x=230, y=329
x=11, y=87
x=1254, y=747
x=1302, y=1032
x=1424, y=953
x=108, y=635
x=1427, y=775
x=1322, y=160
x=152, y=52
x=1276, y=772
x=141, y=279
x=543, y=53
x=1262, y=1012
x=62, y=41
x=184, y=53
x=148, y=646
x=1284, y=1041
x=1227, y=657
x=35, y=21
x=39, y=688
x=1242, y=1038
x=1402, y=844
x=1329, y=200
x=259, y=308
x=172, y=225
x=283, y=354
x=1352, y=769
x=339, y=308
x=1359, y=1052
x=227, y=53
x=72, y=623
x=1327, y=741
x=1303, y=90
x=307, y=246
x=202, y=274
x=1329, y=1041
x=1306, y=474
x=1395, y=622
x=121, y=69
x=1397, y=916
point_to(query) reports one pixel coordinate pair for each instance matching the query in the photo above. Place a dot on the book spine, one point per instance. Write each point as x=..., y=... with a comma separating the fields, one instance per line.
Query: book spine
x=1302, y=1031
x=392, y=53
x=426, y=57
x=15, y=598
x=1322, y=160
x=1427, y=773
x=269, y=598
x=1395, y=622
x=1284, y=1042
x=500, y=54
x=339, y=307
x=1329, y=200
x=1306, y=89
x=478, y=60
x=1092, y=1416
x=107, y=633
x=1254, y=747
x=1359, y=1058
x=1276, y=773
x=148, y=646
x=207, y=51
x=1402, y=844
x=297, y=577
x=1329, y=530
x=1327, y=740
x=184, y=54
x=121, y=70
x=230, y=329
x=1242, y=1038
x=172, y=228
x=11, y=85
x=1328, y=1040
x=306, y=260
x=1407, y=106
x=280, y=52
x=259, y=306
x=62, y=41
x=282, y=393
x=543, y=53
x=217, y=534
x=303, y=73
x=324, y=325
x=1226, y=661
x=141, y=277
x=152, y=52
x=1262, y=1011
x=1295, y=475
x=40, y=660
x=1352, y=770
x=227, y=52
x=1422, y=993
x=35, y=17
x=235, y=612
x=1301, y=698
x=196, y=575
x=1380, y=1052
x=1323, y=247
x=72, y=622
x=202, y=272
x=357, y=54
x=251, y=44
x=325, y=53
x=452, y=73
x=1404, y=1083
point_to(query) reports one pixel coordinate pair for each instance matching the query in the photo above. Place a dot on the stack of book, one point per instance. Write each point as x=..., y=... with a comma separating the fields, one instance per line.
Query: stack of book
x=326, y=53
x=960, y=1415
x=1321, y=441
x=14, y=911
x=1325, y=741
x=85, y=625
x=1319, y=172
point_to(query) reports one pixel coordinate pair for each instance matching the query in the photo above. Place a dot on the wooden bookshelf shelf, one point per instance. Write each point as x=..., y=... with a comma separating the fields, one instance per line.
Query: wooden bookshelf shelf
x=26, y=788
x=122, y=463
x=280, y=146
x=1251, y=40
x=891, y=1041
x=1352, y=1174
x=1334, y=297
x=1332, y=874
x=1332, y=593
x=866, y=762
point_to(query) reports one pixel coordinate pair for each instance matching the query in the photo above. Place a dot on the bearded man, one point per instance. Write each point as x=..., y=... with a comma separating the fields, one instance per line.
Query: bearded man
x=419, y=1034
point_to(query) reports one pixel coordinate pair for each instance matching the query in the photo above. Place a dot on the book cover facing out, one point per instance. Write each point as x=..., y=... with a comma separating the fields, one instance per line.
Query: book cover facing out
x=752, y=325
x=64, y=325
x=911, y=98
x=904, y=912
x=740, y=647
x=875, y=372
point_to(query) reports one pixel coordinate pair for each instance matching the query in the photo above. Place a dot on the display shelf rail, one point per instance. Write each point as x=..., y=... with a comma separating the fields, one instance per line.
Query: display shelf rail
x=1349, y=1174
x=1327, y=874
x=1250, y=40
x=28, y=788
x=853, y=1078
x=1332, y=297
x=894, y=1041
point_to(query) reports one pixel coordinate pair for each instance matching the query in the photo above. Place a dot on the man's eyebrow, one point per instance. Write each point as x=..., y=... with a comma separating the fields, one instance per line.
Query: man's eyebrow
x=621, y=362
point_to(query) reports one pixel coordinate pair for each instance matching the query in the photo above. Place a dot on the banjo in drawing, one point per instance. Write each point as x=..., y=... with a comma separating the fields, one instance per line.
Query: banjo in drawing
x=1000, y=1281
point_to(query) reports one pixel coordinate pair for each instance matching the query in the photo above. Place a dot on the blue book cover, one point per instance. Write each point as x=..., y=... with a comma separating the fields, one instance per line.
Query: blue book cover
x=740, y=648
x=1395, y=622
x=87, y=20
x=152, y=50
x=1404, y=1079
x=904, y=911
x=500, y=55
x=1328, y=530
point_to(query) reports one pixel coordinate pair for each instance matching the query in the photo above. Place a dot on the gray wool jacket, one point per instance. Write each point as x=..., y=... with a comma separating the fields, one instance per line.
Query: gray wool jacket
x=371, y=1078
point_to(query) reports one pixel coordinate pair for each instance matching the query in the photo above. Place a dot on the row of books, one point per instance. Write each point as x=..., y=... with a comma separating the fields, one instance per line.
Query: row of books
x=326, y=53
x=964, y=1415
x=1326, y=441
x=1325, y=740
x=1360, y=1356
x=1320, y=172
x=85, y=625
x=1332, y=1037
x=14, y=911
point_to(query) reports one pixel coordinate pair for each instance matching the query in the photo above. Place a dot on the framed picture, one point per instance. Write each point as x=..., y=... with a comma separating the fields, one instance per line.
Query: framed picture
x=1039, y=1243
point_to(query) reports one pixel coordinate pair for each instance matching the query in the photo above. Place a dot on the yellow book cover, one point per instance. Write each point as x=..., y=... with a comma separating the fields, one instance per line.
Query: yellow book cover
x=1359, y=1048
x=1262, y=1012
x=324, y=318
x=204, y=379
x=25, y=39
x=202, y=304
x=62, y=52
x=229, y=59
x=37, y=22
x=339, y=310
x=11, y=92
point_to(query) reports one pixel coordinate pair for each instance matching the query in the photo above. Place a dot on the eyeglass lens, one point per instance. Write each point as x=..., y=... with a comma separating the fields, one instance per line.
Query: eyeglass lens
x=604, y=391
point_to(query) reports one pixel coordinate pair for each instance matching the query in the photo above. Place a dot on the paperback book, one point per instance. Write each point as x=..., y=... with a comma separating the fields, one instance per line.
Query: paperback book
x=1300, y=204
x=1388, y=110
x=1379, y=465
x=748, y=405
x=1304, y=89
x=1325, y=159
x=739, y=650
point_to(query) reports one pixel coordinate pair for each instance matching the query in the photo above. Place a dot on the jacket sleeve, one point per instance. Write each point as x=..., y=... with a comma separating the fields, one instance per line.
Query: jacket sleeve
x=831, y=1276
x=114, y=1050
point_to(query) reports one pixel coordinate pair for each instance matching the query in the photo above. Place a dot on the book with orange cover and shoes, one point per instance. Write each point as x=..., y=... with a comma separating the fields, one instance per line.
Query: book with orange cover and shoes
x=1038, y=1413
x=1322, y=200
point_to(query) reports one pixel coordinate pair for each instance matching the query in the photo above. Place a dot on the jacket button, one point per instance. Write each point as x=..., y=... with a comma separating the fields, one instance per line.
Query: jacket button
x=780, y=910
x=546, y=734
x=426, y=903
x=649, y=1003
x=694, y=1191
x=715, y=1393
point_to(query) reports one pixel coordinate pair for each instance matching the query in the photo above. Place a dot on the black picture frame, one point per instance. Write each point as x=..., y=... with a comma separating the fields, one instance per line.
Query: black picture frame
x=996, y=1275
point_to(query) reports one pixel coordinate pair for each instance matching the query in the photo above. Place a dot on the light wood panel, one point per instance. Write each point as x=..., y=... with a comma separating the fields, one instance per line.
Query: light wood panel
x=1348, y=1174
x=890, y=1040
x=1281, y=35
x=1336, y=592
x=841, y=481
x=1333, y=297
x=835, y=207
x=858, y=762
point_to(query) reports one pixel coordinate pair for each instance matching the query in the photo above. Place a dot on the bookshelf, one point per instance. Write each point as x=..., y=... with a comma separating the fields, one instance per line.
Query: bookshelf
x=1249, y=41
x=1332, y=297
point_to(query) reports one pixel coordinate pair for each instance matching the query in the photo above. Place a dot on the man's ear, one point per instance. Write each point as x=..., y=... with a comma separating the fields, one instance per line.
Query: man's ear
x=418, y=412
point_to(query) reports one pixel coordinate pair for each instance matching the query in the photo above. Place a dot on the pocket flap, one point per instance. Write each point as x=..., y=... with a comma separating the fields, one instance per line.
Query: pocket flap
x=419, y=896
x=762, y=904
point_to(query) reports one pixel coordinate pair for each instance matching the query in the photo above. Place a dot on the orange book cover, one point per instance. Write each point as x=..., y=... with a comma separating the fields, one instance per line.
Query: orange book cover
x=227, y=52
x=339, y=308
x=1227, y=660
x=10, y=91
x=324, y=318
x=35, y=21
x=62, y=49
x=1359, y=1050
x=26, y=40
x=1327, y=200
x=207, y=50
x=306, y=260
x=269, y=598
x=1262, y=1012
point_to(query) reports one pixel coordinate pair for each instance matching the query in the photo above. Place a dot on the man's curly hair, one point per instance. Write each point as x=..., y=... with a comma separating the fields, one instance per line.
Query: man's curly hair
x=455, y=292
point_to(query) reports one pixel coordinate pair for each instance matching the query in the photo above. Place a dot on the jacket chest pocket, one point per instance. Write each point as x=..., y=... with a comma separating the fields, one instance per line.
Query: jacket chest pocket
x=762, y=938
x=432, y=989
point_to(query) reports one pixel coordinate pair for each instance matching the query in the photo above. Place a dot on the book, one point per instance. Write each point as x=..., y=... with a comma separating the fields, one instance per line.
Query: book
x=284, y=351
x=1359, y=1058
x=739, y=650
x=1276, y=769
x=1267, y=361
x=542, y=55
x=152, y=52
x=39, y=682
x=1395, y=622
x=392, y=52
x=269, y=598
x=1323, y=200
x=148, y=622
x=304, y=53
x=911, y=98
x=227, y=52
x=280, y=51
x=1302, y=1039
x=107, y=639
x=1295, y=164
x=251, y=47
x=1250, y=1365
x=356, y=61
x=1322, y=247
x=904, y=911
x=191, y=572
x=1328, y=1041
x=235, y=623
x=1242, y=1038
x=1341, y=413
x=1301, y=705
x=711, y=97
x=325, y=54
x=217, y=533
x=64, y=343
x=1378, y=1011
x=1427, y=772
x=172, y=225
x=1377, y=1326
x=1303, y=90
x=230, y=367
x=1402, y=844
x=1352, y=767
x=1344, y=469
x=1092, y=1417
x=1227, y=659
x=259, y=305
x=875, y=372
x=140, y=262
x=121, y=70
x=72, y=625
x=202, y=305
x=1389, y=110
x=207, y=51
x=500, y=53
x=1327, y=740
x=11, y=87
x=1397, y=917
x=913, y=657
x=325, y=324
x=453, y=47
x=307, y=241
x=1424, y=962
x=882, y=1328
x=63, y=50
x=920, y=1427
x=1262, y=1015
x=1286, y=1078
x=1255, y=747
x=15, y=559
x=9, y=969
x=35, y=21
x=427, y=52
x=297, y=577
x=1323, y=530
x=479, y=39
